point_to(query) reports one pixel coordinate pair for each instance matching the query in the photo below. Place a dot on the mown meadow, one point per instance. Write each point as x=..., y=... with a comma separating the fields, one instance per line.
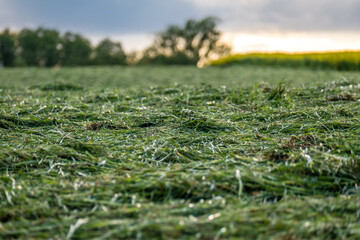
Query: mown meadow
x=238, y=152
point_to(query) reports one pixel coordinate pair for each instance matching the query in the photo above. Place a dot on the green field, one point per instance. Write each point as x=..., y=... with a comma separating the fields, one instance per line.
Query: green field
x=179, y=153
x=340, y=61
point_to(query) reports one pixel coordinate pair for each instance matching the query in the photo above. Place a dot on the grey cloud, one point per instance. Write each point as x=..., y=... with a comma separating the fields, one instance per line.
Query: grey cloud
x=148, y=16
x=294, y=15
x=98, y=16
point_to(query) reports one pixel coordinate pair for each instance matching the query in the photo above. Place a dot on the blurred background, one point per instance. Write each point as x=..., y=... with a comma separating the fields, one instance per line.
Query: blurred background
x=119, y=32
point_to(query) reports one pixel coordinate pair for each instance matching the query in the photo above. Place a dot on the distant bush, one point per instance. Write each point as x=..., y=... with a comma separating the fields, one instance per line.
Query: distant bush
x=175, y=59
x=341, y=61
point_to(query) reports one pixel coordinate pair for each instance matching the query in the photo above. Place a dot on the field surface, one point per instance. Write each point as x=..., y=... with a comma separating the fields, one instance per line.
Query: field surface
x=179, y=153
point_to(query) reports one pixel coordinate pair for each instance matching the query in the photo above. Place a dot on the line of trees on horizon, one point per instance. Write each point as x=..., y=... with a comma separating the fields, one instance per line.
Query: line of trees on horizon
x=193, y=43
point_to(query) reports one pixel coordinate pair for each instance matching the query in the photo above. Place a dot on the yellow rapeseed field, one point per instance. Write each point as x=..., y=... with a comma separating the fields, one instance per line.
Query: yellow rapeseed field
x=344, y=61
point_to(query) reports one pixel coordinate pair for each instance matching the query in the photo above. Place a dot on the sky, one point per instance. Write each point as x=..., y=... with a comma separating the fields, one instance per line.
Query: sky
x=249, y=25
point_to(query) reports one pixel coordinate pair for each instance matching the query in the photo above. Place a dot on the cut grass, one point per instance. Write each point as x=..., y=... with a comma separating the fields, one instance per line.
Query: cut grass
x=271, y=160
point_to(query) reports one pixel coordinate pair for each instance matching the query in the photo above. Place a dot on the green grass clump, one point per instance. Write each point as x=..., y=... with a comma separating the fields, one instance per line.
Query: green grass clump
x=58, y=86
x=217, y=154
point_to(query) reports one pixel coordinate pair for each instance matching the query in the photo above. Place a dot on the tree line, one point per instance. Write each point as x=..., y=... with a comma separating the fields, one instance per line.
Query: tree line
x=47, y=47
x=195, y=41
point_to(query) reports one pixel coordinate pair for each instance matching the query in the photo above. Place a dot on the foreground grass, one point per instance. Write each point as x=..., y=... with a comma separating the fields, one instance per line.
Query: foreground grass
x=192, y=160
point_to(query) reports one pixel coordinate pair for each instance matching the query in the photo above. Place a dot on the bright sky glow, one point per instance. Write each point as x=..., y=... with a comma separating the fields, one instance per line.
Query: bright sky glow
x=130, y=42
x=292, y=42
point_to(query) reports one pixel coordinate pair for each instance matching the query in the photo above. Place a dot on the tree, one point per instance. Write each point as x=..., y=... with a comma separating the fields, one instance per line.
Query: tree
x=195, y=41
x=28, y=45
x=75, y=50
x=109, y=53
x=7, y=48
x=40, y=47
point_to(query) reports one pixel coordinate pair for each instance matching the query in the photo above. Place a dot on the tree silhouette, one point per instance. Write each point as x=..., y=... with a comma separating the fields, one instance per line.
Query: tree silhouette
x=108, y=52
x=75, y=50
x=7, y=48
x=189, y=44
x=40, y=47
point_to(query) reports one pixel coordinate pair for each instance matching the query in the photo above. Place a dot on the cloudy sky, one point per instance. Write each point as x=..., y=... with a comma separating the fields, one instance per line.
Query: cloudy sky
x=251, y=25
